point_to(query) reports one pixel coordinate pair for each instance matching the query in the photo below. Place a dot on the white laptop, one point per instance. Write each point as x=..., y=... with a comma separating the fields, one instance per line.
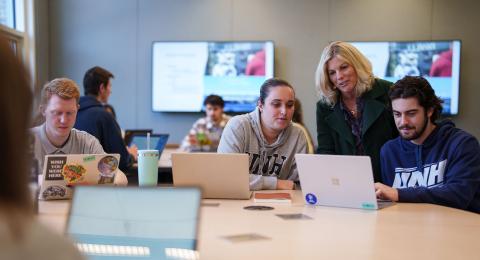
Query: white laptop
x=112, y=222
x=220, y=176
x=63, y=171
x=337, y=180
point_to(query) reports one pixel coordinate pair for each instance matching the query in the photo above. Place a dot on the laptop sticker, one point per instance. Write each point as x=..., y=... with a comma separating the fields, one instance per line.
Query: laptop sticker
x=55, y=168
x=107, y=167
x=54, y=192
x=88, y=158
x=367, y=205
x=311, y=198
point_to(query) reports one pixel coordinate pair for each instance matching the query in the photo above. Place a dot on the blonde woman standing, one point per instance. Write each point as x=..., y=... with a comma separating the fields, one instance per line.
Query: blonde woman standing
x=353, y=113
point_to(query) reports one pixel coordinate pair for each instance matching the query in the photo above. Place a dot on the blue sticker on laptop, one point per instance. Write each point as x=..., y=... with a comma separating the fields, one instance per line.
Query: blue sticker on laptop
x=311, y=198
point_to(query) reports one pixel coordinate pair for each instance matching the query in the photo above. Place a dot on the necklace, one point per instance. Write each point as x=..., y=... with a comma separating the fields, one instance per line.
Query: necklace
x=353, y=112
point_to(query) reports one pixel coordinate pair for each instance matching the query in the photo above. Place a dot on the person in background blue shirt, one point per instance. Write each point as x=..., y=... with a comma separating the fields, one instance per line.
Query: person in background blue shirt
x=94, y=119
x=430, y=162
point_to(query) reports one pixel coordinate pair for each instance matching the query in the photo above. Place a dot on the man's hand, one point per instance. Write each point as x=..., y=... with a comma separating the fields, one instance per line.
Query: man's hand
x=132, y=150
x=285, y=185
x=385, y=192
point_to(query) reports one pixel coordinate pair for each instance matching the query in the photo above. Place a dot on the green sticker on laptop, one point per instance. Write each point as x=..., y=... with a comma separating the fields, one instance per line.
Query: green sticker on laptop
x=88, y=158
x=367, y=205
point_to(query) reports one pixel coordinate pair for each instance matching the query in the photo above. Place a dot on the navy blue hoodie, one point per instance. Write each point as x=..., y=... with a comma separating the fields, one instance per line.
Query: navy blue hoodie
x=95, y=120
x=444, y=170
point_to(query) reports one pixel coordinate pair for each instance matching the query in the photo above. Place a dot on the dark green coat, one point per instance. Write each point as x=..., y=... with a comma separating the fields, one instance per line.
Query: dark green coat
x=335, y=136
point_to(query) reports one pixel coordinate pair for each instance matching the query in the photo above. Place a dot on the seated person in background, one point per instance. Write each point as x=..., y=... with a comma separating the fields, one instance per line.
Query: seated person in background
x=269, y=137
x=430, y=162
x=297, y=120
x=59, y=106
x=21, y=235
x=206, y=132
x=95, y=120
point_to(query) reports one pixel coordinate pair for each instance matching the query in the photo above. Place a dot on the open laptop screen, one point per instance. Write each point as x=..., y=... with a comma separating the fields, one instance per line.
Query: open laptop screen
x=133, y=222
x=157, y=141
x=129, y=133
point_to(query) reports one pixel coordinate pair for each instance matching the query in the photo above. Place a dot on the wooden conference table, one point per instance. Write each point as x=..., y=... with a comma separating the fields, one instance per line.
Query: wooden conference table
x=401, y=231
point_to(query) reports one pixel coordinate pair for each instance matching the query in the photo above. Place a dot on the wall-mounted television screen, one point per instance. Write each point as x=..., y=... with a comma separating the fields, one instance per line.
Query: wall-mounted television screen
x=437, y=61
x=184, y=73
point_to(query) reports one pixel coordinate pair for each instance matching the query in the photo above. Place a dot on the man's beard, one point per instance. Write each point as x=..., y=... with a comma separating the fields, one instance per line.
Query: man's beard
x=416, y=134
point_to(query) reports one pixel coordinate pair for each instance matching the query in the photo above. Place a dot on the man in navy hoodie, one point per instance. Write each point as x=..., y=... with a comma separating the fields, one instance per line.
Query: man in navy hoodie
x=94, y=119
x=429, y=162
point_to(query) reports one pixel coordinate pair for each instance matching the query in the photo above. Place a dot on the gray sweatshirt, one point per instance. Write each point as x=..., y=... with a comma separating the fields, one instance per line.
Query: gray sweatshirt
x=79, y=142
x=268, y=162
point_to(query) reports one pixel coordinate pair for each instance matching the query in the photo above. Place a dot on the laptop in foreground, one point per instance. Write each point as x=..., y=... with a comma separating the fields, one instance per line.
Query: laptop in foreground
x=220, y=176
x=109, y=222
x=63, y=171
x=337, y=180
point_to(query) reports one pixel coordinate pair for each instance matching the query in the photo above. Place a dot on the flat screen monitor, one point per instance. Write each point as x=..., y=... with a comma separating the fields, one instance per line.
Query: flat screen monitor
x=437, y=61
x=184, y=73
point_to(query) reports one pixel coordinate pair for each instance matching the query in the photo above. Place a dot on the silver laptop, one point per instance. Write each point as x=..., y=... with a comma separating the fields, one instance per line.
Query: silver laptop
x=63, y=171
x=337, y=180
x=111, y=222
x=220, y=176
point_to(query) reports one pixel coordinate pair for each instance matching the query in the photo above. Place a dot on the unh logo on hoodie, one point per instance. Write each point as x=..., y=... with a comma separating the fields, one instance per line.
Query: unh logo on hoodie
x=432, y=175
x=266, y=164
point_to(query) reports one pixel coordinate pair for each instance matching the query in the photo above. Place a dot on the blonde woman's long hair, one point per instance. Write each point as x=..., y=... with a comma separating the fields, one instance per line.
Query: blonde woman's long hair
x=347, y=52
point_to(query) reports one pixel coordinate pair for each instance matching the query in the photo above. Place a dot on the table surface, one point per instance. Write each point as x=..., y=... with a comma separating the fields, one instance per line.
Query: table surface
x=401, y=231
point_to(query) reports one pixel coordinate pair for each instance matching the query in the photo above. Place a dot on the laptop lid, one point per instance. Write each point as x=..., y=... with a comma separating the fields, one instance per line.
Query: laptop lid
x=63, y=171
x=220, y=176
x=157, y=141
x=133, y=223
x=337, y=180
x=130, y=132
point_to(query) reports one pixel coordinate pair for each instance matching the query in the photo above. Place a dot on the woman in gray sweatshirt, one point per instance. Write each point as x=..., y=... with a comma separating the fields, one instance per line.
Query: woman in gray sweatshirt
x=269, y=137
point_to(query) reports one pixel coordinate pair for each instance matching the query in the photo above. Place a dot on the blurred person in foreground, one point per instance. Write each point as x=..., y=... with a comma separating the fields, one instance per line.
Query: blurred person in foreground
x=21, y=236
